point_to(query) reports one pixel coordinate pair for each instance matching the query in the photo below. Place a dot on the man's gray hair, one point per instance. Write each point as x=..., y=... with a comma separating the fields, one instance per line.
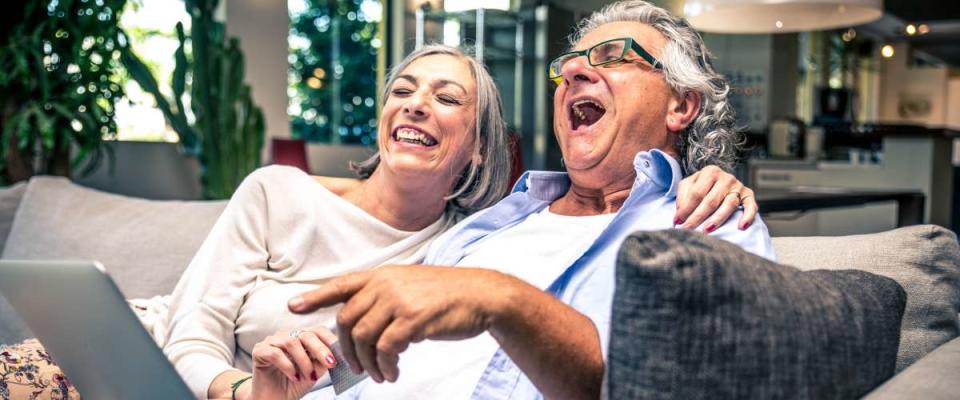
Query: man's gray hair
x=711, y=139
x=481, y=184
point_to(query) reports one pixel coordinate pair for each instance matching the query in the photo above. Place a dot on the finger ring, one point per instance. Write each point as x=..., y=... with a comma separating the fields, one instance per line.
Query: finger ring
x=296, y=332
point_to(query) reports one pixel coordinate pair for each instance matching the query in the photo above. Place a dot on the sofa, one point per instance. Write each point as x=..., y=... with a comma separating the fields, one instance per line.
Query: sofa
x=146, y=244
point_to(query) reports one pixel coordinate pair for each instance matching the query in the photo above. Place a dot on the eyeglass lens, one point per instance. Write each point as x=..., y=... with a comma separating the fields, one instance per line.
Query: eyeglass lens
x=600, y=54
x=606, y=52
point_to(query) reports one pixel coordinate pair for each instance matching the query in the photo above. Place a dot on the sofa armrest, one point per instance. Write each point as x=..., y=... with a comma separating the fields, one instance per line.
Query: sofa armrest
x=935, y=376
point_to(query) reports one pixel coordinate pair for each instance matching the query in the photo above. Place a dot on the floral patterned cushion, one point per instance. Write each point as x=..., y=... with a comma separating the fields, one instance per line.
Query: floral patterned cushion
x=28, y=372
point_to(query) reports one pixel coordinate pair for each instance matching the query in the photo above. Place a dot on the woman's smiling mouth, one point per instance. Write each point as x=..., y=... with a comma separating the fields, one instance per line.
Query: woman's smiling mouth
x=413, y=135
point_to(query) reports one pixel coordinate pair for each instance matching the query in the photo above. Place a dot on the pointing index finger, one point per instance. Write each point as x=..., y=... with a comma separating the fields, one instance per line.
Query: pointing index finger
x=337, y=290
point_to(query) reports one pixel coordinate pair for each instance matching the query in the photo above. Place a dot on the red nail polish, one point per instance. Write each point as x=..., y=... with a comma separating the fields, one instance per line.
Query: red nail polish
x=678, y=221
x=711, y=228
x=743, y=226
x=297, y=376
x=313, y=375
x=330, y=360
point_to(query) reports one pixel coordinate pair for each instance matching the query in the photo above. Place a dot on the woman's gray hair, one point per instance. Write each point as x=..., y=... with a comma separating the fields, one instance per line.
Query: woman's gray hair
x=711, y=139
x=481, y=184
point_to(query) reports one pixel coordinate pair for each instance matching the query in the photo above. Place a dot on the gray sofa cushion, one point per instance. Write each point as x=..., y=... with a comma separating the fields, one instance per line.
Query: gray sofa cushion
x=9, y=200
x=924, y=259
x=933, y=377
x=695, y=317
x=144, y=244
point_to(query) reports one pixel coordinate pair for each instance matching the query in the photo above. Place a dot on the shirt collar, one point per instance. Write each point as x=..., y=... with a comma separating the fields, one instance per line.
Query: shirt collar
x=655, y=170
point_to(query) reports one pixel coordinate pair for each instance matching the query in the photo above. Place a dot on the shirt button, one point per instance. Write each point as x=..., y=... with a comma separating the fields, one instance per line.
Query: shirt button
x=646, y=164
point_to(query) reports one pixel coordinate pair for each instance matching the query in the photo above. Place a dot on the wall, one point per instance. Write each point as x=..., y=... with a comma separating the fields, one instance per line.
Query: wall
x=912, y=95
x=952, y=118
x=262, y=27
x=151, y=170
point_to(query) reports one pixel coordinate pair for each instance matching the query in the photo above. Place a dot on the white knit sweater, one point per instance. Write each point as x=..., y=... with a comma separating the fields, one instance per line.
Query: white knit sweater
x=282, y=233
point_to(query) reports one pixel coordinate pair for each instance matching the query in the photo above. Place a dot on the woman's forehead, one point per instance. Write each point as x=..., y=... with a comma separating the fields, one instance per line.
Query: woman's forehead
x=440, y=68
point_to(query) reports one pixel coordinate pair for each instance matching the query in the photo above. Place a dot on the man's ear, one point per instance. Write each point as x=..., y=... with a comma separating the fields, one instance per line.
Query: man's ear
x=682, y=111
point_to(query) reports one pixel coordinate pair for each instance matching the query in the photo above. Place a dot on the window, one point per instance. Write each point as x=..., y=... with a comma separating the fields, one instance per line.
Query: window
x=333, y=70
x=150, y=27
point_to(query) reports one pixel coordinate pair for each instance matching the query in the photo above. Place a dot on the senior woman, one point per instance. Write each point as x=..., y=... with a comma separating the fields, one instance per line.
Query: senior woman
x=637, y=106
x=442, y=154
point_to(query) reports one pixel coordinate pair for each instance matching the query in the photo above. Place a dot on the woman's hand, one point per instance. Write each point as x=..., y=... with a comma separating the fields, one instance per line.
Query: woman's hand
x=713, y=193
x=287, y=364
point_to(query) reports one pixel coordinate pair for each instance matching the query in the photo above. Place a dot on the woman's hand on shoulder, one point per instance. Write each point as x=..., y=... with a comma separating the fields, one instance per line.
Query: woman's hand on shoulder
x=287, y=364
x=711, y=196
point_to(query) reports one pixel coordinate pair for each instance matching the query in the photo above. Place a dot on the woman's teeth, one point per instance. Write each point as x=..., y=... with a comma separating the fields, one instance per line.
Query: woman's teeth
x=412, y=136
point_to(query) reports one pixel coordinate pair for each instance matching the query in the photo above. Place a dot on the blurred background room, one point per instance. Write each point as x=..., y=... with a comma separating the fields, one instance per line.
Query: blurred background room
x=851, y=108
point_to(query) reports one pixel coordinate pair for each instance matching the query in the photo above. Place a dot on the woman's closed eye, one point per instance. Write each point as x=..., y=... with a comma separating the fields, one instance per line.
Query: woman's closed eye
x=401, y=91
x=449, y=100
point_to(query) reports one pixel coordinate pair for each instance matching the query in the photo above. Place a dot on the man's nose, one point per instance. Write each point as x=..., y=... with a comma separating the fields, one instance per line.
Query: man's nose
x=578, y=69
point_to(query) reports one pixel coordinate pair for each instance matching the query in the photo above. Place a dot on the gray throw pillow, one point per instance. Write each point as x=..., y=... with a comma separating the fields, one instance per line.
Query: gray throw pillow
x=695, y=317
x=924, y=259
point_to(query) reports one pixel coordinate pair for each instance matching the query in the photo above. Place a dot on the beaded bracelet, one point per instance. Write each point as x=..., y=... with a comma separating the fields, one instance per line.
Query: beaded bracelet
x=236, y=385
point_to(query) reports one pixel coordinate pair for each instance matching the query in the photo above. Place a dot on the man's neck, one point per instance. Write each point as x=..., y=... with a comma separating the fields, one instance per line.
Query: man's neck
x=410, y=206
x=586, y=197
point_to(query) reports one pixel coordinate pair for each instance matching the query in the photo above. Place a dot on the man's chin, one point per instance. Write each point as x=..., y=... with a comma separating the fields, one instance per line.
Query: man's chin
x=575, y=164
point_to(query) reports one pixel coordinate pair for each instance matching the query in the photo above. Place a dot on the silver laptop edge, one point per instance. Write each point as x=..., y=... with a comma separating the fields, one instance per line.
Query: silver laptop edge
x=84, y=322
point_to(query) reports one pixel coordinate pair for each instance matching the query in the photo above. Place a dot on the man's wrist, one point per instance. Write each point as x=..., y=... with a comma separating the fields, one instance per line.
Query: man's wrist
x=502, y=308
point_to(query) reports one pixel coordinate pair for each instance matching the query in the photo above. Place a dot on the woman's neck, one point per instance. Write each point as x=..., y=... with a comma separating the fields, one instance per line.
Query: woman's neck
x=398, y=203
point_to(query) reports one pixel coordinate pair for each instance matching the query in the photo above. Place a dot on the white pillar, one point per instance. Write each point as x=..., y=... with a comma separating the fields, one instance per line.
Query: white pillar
x=262, y=27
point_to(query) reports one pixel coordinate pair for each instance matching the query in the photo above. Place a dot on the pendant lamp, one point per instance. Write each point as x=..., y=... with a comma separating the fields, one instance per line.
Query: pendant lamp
x=779, y=16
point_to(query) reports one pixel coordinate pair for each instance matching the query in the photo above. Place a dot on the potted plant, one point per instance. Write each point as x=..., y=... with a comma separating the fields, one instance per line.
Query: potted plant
x=57, y=96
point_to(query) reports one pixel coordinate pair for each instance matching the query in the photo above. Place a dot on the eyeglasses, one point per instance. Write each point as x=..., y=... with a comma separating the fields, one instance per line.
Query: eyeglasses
x=603, y=53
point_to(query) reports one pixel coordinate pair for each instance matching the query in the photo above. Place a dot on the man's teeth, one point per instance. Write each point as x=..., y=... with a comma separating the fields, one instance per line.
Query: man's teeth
x=411, y=135
x=579, y=112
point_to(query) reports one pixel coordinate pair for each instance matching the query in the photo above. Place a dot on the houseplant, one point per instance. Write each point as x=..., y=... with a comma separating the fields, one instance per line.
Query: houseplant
x=57, y=94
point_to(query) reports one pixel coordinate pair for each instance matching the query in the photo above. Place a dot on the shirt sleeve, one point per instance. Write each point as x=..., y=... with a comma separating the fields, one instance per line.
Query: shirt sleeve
x=755, y=239
x=204, y=307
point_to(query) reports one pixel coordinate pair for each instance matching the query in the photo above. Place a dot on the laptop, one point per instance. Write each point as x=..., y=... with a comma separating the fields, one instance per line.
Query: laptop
x=83, y=321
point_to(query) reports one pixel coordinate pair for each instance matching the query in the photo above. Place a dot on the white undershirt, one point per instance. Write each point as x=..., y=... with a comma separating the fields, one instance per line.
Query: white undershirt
x=536, y=250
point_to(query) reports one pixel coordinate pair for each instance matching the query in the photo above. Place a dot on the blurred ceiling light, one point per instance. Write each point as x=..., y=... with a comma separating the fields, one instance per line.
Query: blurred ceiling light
x=465, y=5
x=849, y=35
x=779, y=16
x=886, y=51
x=910, y=29
x=923, y=29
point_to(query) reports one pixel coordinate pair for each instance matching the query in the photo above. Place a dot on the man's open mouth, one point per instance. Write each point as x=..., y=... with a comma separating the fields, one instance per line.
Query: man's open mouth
x=414, y=136
x=585, y=113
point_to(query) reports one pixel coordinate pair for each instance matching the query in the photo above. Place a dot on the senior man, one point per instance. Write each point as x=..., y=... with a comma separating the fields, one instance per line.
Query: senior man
x=637, y=105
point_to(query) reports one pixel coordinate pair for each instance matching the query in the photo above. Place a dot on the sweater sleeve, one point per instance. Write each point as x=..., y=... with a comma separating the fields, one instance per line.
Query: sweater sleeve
x=200, y=334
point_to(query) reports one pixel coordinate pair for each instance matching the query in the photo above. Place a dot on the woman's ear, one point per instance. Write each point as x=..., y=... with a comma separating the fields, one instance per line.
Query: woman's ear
x=682, y=111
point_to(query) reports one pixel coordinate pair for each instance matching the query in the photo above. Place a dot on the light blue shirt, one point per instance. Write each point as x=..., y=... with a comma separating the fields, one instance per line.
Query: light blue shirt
x=588, y=284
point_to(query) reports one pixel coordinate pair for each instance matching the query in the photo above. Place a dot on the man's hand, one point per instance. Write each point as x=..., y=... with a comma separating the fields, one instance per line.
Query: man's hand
x=388, y=308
